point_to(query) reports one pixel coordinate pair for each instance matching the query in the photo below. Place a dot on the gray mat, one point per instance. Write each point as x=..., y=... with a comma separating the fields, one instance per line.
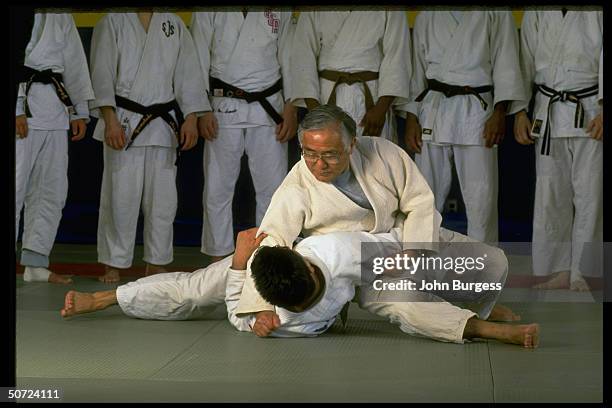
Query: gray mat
x=106, y=356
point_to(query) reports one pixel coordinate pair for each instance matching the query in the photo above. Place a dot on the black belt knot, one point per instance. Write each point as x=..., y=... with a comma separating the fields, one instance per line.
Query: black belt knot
x=161, y=110
x=563, y=96
x=453, y=90
x=46, y=77
x=231, y=91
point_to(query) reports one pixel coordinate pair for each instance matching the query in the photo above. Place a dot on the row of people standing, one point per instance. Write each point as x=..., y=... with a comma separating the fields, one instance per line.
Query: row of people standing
x=455, y=81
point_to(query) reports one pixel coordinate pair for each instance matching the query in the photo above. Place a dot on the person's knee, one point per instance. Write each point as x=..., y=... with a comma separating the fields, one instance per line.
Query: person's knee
x=497, y=264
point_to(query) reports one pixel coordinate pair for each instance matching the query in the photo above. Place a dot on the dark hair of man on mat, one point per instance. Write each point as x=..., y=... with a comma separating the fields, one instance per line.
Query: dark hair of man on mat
x=285, y=279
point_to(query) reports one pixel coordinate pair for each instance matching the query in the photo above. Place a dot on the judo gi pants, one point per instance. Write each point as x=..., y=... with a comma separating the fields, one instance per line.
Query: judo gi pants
x=134, y=178
x=267, y=164
x=568, y=210
x=442, y=318
x=477, y=173
x=41, y=187
x=176, y=295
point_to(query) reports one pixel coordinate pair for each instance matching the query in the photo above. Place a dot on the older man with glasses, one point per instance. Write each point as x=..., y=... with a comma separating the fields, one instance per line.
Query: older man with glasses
x=344, y=183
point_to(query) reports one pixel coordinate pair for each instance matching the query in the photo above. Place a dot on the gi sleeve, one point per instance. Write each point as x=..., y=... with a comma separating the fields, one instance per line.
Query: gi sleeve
x=19, y=107
x=418, y=80
x=415, y=200
x=283, y=223
x=600, y=94
x=104, y=61
x=528, y=45
x=304, y=60
x=233, y=289
x=202, y=26
x=395, y=67
x=76, y=73
x=507, y=78
x=188, y=80
x=285, y=41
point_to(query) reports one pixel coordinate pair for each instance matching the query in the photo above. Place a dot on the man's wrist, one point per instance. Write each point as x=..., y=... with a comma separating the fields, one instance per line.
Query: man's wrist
x=385, y=101
x=238, y=266
x=501, y=107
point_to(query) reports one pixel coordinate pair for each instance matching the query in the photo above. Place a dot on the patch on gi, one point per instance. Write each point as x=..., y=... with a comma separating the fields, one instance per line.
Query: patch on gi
x=426, y=131
x=168, y=28
x=273, y=21
x=537, y=127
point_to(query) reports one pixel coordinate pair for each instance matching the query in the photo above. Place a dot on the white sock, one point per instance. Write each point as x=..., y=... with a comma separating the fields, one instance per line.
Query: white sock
x=33, y=274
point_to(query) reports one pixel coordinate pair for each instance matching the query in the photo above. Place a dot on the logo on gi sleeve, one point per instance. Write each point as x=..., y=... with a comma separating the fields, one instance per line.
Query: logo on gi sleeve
x=168, y=28
x=273, y=21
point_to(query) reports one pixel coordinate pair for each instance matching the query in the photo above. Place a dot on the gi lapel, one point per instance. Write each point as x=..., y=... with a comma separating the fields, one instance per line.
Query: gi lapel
x=343, y=36
x=150, y=40
x=458, y=35
x=245, y=27
x=144, y=37
x=369, y=188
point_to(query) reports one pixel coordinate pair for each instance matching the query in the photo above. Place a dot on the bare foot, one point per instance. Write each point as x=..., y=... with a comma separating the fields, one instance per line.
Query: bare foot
x=77, y=303
x=61, y=279
x=502, y=313
x=579, y=285
x=527, y=335
x=151, y=269
x=111, y=275
x=559, y=280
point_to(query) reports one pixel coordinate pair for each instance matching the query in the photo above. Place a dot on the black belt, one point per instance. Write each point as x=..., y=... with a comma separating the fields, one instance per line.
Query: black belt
x=564, y=96
x=453, y=90
x=46, y=77
x=220, y=88
x=161, y=110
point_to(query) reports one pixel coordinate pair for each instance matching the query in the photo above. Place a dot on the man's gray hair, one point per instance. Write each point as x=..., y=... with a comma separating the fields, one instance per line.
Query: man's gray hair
x=324, y=116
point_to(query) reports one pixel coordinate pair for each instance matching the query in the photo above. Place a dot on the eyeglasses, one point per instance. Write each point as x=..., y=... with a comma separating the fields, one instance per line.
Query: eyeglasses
x=329, y=158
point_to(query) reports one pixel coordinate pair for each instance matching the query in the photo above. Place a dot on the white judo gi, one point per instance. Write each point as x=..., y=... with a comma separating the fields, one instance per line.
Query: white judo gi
x=352, y=41
x=181, y=296
x=149, y=68
x=41, y=159
x=565, y=54
x=392, y=184
x=469, y=48
x=251, y=53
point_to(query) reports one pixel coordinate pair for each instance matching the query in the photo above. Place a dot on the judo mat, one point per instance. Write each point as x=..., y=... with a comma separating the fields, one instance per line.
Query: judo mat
x=107, y=357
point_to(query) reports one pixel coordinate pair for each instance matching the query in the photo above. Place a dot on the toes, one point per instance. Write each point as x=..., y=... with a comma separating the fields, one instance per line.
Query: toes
x=68, y=299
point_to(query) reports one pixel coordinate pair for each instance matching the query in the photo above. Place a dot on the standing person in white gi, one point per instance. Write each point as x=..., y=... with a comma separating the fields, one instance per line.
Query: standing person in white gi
x=51, y=99
x=562, y=61
x=245, y=63
x=356, y=60
x=144, y=67
x=466, y=71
